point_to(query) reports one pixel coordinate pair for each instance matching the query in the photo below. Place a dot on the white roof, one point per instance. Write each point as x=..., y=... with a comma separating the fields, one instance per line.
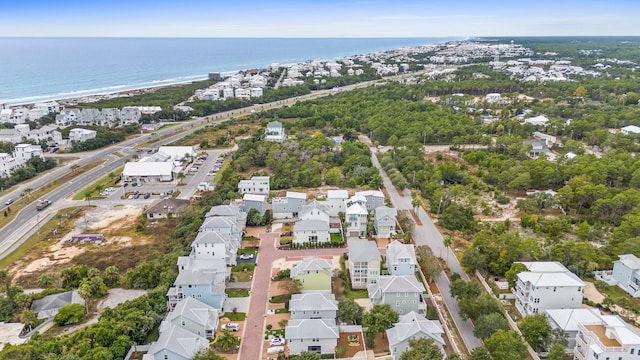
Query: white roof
x=253, y=197
x=177, y=152
x=357, y=209
x=568, y=319
x=296, y=195
x=540, y=119
x=630, y=261
x=631, y=128
x=337, y=194
x=147, y=169
x=397, y=250
x=376, y=193
x=413, y=325
x=179, y=341
x=544, y=266
x=550, y=279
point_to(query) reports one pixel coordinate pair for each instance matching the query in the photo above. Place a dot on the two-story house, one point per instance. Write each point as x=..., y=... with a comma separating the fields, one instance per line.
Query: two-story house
x=257, y=185
x=611, y=338
x=385, y=221
x=232, y=212
x=312, y=335
x=413, y=326
x=193, y=315
x=289, y=206
x=404, y=293
x=374, y=198
x=253, y=201
x=313, y=305
x=364, y=263
x=567, y=320
x=626, y=272
x=547, y=285
x=313, y=273
x=336, y=201
x=401, y=258
x=275, y=132
x=214, y=245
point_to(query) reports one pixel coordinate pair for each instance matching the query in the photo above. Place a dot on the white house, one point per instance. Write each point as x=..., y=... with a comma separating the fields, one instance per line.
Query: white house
x=258, y=185
x=356, y=219
x=311, y=231
x=413, y=326
x=7, y=164
x=24, y=152
x=567, y=320
x=194, y=316
x=547, y=285
x=336, y=201
x=611, y=338
x=630, y=129
x=313, y=305
x=178, y=153
x=539, y=120
x=81, y=135
x=275, y=132
x=312, y=335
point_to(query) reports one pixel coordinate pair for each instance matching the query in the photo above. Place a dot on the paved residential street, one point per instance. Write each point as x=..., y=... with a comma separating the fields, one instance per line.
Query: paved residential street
x=253, y=335
x=428, y=234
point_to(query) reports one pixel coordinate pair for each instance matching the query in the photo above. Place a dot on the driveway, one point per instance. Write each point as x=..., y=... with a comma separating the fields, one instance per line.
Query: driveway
x=254, y=331
x=428, y=234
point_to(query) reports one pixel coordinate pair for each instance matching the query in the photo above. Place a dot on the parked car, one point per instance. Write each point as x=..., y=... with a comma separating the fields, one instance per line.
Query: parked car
x=246, y=256
x=130, y=197
x=276, y=341
x=9, y=202
x=147, y=195
x=231, y=327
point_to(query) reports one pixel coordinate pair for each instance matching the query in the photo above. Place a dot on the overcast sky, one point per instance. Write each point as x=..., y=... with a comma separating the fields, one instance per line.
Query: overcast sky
x=328, y=18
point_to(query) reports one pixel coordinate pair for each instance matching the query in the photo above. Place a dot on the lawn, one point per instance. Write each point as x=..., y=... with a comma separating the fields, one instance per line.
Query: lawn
x=235, y=316
x=242, y=276
x=234, y=293
x=94, y=189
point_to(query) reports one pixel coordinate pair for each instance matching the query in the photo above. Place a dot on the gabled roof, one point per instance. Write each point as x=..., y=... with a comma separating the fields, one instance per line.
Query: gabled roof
x=397, y=250
x=357, y=209
x=313, y=205
x=56, y=301
x=179, y=341
x=196, y=311
x=210, y=237
x=394, y=284
x=568, y=319
x=367, y=193
x=311, y=224
x=319, y=301
x=413, y=325
x=296, y=195
x=190, y=263
x=311, y=329
x=223, y=210
x=363, y=250
x=167, y=206
x=254, y=197
x=311, y=263
x=383, y=211
x=550, y=279
x=218, y=222
x=544, y=266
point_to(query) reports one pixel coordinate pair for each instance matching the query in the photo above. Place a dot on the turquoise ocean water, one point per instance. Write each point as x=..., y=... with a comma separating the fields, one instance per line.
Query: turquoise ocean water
x=40, y=69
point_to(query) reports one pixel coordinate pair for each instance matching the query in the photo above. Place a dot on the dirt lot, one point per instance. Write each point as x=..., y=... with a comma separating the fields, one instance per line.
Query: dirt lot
x=118, y=226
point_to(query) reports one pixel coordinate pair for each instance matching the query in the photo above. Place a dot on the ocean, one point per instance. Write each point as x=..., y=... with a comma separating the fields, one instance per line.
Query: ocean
x=42, y=69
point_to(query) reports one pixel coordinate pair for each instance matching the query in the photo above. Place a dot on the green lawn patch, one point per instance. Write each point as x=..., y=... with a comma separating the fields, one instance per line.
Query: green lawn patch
x=282, y=311
x=356, y=294
x=235, y=293
x=94, y=189
x=242, y=276
x=280, y=298
x=235, y=316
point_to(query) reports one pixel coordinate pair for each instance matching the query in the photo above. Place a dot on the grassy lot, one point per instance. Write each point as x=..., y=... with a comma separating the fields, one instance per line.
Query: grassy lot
x=62, y=223
x=32, y=195
x=94, y=189
x=621, y=298
x=235, y=316
x=243, y=276
x=234, y=293
x=355, y=294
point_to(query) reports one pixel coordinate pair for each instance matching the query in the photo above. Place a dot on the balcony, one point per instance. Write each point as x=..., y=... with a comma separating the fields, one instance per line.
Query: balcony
x=590, y=333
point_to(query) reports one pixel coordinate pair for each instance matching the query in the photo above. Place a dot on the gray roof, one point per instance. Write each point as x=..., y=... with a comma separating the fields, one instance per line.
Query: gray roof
x=167, y=206
x=413, y=325
x=224, y=210
x=196, y=311
x=218, y=222
x=179, y=341
x=383, y=211
x=311, y=224
x=394, y=284
x=190, y=263
x=312, y=205
x=319, y=301
x=199, y=277
x=210, y=237
x=363, y=250
x=397, y=250
x=630, y=261
x=56, y=301
x=274, y=124
x=311, y=329
x=310, y=264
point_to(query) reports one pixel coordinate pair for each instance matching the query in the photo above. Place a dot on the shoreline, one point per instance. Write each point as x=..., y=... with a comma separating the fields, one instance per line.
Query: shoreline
x=72, y=100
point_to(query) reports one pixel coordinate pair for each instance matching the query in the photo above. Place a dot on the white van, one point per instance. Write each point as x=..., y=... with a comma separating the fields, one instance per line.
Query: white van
x=275, y=350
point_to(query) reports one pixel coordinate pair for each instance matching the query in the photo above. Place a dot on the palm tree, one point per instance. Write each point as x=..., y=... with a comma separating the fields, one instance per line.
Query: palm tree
x=44, y=281
x=74, y=167
x=180, y=176
x=226, y=341
x=283, y=323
